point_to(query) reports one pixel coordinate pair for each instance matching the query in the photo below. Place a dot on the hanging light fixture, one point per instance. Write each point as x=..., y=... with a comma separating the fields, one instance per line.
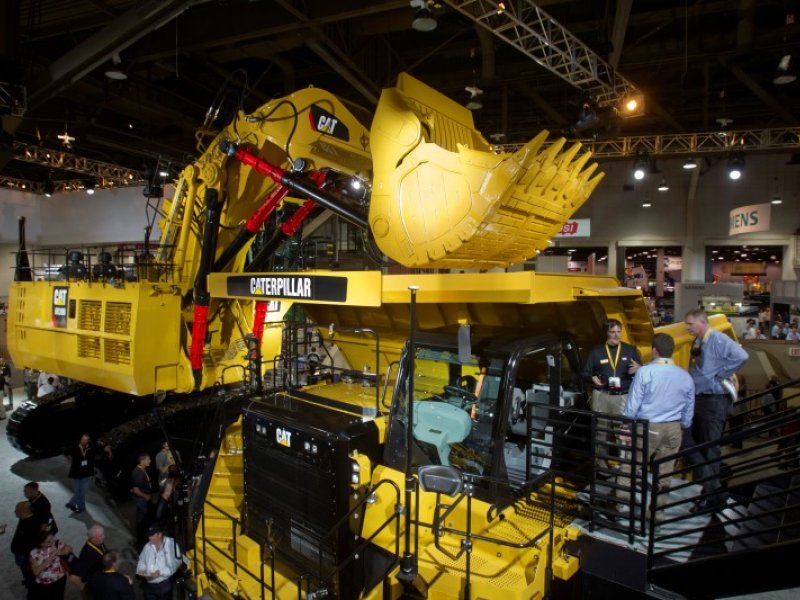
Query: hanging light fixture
x=785, y=72
x=735, y=165
x=89, y=186
x=663, y=187
x=115, y=72
x=640, y=166
x=690, y=163
x=423, y=17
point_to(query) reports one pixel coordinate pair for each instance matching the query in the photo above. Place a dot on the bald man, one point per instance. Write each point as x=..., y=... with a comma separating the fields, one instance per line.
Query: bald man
x=90, y=560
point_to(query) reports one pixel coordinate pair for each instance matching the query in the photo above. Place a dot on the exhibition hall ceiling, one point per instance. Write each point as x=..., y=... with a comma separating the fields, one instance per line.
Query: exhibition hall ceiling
x=702, y=65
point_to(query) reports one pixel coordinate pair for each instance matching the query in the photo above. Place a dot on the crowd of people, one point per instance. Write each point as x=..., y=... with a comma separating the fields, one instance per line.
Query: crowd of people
x=685, y=408
x=48, y=564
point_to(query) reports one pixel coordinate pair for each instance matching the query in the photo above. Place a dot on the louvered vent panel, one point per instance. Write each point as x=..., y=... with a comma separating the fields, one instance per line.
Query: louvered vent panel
x=118, y=318
x=118, y=352
x=90, y=313
x=88, y=346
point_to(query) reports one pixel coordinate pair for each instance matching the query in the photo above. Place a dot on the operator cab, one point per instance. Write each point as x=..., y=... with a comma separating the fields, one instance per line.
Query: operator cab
x=487, y=411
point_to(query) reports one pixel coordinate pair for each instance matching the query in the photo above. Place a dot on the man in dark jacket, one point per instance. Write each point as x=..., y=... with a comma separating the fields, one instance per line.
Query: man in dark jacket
x=26, y=538
x=89, y=560
x=81, y=471
x=108, y=584
x=40, y=506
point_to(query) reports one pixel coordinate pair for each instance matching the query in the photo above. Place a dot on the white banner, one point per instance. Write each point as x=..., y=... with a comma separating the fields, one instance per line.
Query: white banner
x=749, y=219
x=575, y=228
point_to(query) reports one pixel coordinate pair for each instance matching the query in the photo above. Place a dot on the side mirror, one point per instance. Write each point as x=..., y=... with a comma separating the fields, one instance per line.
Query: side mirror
x=442, y=479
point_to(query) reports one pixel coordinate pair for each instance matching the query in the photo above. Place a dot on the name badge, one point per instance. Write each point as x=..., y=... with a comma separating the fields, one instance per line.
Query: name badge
x=84, y=463
x=614, y=383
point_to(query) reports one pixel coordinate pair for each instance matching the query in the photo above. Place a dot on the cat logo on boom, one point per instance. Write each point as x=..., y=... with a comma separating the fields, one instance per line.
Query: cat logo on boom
x=327, y=123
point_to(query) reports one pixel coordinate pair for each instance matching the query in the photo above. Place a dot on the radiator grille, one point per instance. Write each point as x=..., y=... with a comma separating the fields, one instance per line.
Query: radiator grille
x=118, y=352
x=118, y=318
x=89, y=314
x=88, y=346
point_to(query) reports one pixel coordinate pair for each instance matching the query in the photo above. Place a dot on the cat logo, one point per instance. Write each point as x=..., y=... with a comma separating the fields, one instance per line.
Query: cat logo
x=325, y=122
x=60, y=296
x=283, y=437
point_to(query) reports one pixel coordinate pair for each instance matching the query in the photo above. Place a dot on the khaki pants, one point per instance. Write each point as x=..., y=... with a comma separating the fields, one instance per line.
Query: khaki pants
x=663, y=439
x=603, y=402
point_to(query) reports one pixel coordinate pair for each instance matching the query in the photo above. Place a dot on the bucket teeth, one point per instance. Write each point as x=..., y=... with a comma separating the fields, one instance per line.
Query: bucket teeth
x=464, y=206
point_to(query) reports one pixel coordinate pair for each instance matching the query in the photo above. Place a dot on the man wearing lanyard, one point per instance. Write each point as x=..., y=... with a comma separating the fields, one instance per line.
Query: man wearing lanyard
x=81, y=471
x=90, y=558
x=715, y=358
x=663, y=394
x=142, y=490
x=609, y=368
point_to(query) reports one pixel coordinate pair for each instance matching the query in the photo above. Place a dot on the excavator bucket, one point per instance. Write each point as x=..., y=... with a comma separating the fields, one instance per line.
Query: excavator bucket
x=441, y=198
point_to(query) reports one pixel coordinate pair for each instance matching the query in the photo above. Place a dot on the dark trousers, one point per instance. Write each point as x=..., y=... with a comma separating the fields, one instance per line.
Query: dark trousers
x=51, y=591
x=710, y=413
x=158, y=591
x=143, y=520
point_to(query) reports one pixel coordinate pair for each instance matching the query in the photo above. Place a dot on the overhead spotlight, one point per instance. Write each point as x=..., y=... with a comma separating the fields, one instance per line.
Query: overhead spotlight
x=735, y=166
x=49, y=188
x=89, y=186
x=646, y=204
x=663, y=187
x=474, y=102
x=631, y=105
x=690, y=163
x=115, y=72
x=423, y=17
x=785, y=72
x=640, y=167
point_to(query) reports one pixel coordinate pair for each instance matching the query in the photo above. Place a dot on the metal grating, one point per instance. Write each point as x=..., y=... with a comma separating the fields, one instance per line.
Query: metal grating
x=118, y=318
x=90, y=313
x=117, y=352
x=88, y=346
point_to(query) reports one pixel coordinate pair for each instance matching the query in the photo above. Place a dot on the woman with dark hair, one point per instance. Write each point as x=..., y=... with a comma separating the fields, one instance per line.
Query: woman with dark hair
x=48, y=564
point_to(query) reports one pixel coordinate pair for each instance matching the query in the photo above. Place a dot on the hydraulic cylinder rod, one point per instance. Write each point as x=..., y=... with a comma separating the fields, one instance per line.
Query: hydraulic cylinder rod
x=295, y=182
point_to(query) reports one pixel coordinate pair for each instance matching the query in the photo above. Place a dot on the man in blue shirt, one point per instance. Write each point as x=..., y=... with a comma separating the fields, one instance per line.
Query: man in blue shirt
x=663, y=394
x=715, y=358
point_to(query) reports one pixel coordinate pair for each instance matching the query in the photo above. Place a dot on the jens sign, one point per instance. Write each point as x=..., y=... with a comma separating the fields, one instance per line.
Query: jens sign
x=749, y=219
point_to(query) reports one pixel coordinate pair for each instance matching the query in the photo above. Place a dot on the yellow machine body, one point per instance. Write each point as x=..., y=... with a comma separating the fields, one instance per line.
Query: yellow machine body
x=501, y=305
x=440, y=198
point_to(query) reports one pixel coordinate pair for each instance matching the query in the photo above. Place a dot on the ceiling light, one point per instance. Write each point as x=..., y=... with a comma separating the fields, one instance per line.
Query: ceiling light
x=115, y=72
x=646, y=204
x=631, y=105
x=639, y=168
x=785, y=72
x=474, y=102
x=163, y=173
x=776, y=199
x=49, y=188
x=89, y=187
x=663, y=187
x=735, y=166
x=423, y=18
x=690, y=163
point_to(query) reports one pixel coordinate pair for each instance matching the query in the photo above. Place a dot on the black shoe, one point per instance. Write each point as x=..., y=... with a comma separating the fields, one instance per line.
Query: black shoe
x=70, y=506
x=709, y=503
x=77, y=510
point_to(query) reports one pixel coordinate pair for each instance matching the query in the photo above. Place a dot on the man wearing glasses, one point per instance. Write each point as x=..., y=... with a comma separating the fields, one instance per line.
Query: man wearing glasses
x=715, y=358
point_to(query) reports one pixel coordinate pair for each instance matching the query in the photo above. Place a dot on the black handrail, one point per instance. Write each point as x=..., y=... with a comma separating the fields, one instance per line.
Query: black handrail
x=751, y=529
